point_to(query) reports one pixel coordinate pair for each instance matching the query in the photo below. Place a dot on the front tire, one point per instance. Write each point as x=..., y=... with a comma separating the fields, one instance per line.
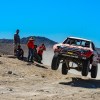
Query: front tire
x=94, y=70
x=55, y=62
x=64, y=69
x=85, y=67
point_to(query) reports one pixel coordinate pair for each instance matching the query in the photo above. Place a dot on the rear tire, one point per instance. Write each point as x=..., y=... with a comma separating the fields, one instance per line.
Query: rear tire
x=55, y=62
x=94, y=70
x=64, y=69
x=85, y=67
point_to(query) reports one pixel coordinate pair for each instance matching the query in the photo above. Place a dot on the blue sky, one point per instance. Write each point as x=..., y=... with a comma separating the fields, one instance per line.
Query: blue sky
x=54, y=19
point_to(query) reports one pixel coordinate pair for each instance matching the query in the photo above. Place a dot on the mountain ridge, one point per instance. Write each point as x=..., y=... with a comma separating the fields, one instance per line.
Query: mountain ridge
x=38, y=40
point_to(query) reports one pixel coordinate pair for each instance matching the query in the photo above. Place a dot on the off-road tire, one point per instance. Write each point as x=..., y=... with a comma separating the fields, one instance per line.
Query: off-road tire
x=55, y=62
x=94, y=70
x=85, y=67
x=64, y=69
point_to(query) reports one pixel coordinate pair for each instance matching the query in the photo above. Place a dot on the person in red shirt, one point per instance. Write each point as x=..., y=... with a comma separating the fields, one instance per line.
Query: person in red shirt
x=30, y=46
x=40, y=50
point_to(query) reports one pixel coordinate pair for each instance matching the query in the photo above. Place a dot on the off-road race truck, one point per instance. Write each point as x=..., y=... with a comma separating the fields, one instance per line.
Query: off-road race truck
x=76, y=53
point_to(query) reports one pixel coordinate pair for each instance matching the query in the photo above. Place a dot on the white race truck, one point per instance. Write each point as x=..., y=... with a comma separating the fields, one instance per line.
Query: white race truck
x=76, y=53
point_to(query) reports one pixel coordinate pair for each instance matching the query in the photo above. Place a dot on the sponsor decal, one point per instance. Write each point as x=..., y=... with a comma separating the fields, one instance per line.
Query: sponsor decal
x=70, y=53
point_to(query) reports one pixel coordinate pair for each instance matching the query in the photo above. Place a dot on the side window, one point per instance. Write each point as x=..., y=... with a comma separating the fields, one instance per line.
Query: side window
x=83, y=43
x=78, y=42
x=67, y=41
x=93, y=46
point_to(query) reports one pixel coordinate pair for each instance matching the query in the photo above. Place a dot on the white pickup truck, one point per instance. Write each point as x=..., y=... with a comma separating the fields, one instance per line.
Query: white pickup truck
x=76, y=53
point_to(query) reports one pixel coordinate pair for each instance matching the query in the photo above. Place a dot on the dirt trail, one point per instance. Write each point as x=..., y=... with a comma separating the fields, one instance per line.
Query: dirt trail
x=20, y=80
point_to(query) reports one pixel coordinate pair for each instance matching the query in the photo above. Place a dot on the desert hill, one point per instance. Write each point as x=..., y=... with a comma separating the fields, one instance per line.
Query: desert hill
x=38, y=41
x=6, y=45
x=20, y=80
x=98, y=49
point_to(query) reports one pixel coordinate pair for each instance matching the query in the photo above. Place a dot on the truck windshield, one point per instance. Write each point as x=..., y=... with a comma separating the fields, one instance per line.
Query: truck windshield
x=77, y=42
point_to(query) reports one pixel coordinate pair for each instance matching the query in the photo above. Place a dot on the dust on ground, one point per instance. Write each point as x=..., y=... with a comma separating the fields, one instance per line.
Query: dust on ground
x=20, y=80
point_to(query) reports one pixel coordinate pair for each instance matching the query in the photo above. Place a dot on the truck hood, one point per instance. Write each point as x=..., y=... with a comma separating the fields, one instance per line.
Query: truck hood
x=67, y=47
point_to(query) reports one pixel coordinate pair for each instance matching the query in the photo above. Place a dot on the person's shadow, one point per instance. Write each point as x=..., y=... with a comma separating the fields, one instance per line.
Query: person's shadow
x=84, y=83
x=25, y=60
x=36, y=64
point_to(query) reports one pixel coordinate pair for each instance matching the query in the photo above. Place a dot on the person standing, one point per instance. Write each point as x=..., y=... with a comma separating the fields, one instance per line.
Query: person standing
x=40, y=50
x=30, y=46
x=16, y=41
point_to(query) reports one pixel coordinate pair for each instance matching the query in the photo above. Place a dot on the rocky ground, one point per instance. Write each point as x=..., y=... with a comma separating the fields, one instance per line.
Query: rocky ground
x=20, y=80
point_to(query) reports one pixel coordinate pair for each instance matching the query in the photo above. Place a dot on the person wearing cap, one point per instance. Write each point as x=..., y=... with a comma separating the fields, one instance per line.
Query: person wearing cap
x=30, y=46
x=40, y=50
x=16, y=41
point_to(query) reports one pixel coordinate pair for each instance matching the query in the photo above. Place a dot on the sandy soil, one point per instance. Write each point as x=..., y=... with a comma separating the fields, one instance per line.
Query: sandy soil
x=20, y=80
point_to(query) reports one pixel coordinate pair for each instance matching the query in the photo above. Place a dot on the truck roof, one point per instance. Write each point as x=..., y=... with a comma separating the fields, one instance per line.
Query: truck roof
x=80, y=38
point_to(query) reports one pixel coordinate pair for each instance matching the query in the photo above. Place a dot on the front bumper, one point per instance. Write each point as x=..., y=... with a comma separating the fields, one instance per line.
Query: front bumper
x=72, y=56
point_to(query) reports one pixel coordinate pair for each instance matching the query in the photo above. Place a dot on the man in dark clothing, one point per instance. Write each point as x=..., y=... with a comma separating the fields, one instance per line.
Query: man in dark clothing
x=20, y=53
x=16, y=41
x=36, y=56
